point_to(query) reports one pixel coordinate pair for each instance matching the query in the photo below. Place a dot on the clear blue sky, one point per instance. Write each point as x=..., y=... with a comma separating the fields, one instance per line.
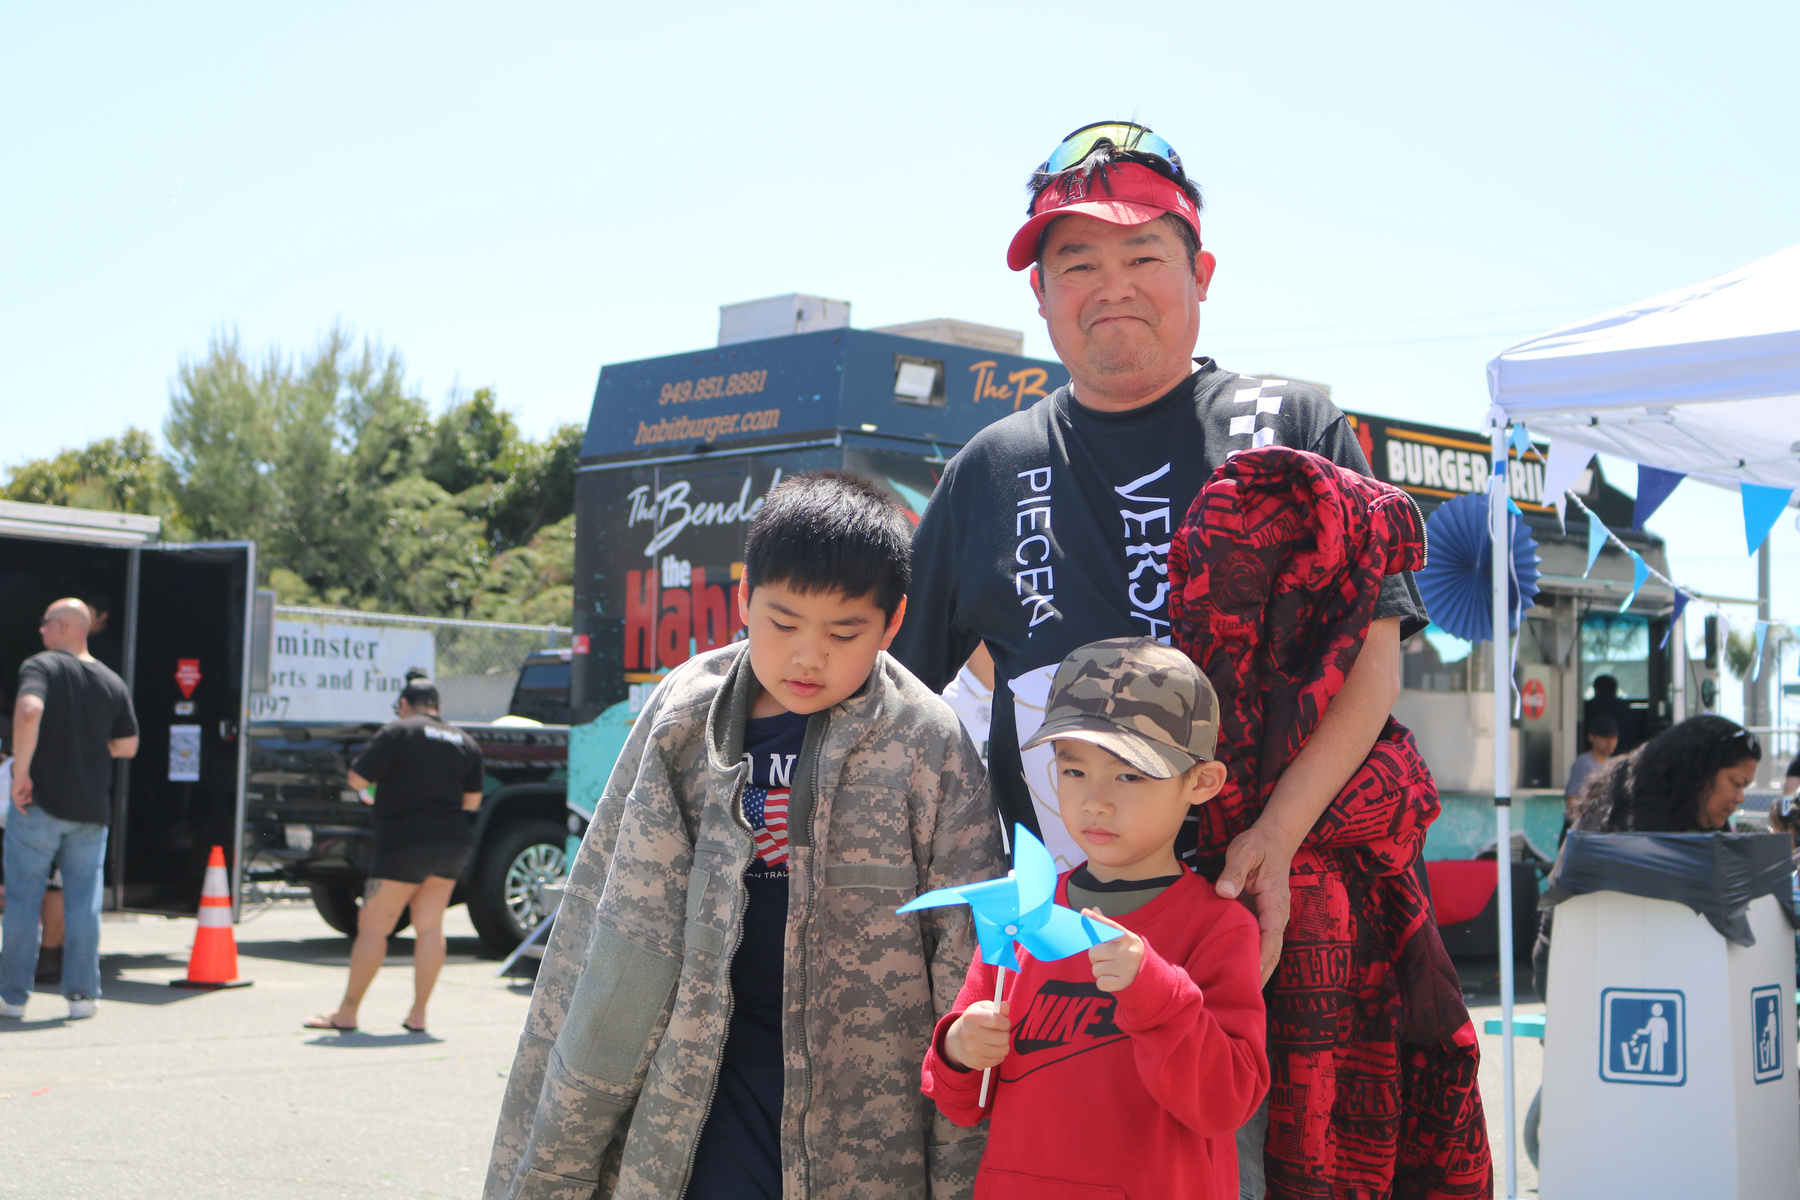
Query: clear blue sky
x=513, y=195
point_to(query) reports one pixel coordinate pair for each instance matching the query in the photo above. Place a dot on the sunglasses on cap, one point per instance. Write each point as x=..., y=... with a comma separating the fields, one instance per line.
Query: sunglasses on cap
x=1134, y=141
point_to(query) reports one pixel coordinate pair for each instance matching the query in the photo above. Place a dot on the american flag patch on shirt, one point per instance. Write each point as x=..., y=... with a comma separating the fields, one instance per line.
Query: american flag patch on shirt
x=767, y=811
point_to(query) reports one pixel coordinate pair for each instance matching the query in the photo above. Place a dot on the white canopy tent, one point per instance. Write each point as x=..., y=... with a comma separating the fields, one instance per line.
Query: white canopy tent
x=1704, y=381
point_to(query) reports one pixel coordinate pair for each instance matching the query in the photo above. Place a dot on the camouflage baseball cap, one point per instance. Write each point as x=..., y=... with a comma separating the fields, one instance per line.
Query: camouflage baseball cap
x=1144, y=701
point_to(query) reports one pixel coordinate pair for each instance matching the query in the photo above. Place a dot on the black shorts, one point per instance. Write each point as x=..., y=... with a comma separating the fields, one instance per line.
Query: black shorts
x=412, y=862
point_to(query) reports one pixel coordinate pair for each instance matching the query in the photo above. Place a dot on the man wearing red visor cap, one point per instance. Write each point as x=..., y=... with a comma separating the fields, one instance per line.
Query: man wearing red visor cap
x=1052, y=529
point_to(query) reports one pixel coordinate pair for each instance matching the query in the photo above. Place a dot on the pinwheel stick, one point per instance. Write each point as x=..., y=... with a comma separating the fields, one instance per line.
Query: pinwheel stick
x=999, y=995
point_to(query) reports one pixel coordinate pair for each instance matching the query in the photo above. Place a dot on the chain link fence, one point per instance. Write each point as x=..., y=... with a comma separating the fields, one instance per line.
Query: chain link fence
x=477, y=662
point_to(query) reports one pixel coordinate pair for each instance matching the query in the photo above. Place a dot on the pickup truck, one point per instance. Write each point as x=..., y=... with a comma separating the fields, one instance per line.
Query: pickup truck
x=303, y=825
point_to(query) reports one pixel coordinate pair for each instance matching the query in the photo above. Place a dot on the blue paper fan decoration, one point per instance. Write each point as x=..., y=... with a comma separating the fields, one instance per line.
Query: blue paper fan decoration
x=1456, y=582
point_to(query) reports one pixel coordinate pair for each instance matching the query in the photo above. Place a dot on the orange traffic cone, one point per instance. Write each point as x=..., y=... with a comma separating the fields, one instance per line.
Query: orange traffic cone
x=214, y=961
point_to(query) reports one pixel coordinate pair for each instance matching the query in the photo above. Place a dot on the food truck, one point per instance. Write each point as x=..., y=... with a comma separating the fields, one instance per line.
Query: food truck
x=1575, y=633
x=681, y=449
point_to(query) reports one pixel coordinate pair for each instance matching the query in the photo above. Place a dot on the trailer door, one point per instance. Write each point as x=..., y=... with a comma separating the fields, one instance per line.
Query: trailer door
x=187, y=657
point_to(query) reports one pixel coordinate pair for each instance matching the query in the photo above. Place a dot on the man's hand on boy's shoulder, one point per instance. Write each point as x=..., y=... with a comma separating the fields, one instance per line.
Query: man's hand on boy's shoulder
x=981, y=1037
x=1115, y=961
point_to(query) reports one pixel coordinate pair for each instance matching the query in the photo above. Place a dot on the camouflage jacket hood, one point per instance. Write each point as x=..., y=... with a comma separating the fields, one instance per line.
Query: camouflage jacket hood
x=619, y=1057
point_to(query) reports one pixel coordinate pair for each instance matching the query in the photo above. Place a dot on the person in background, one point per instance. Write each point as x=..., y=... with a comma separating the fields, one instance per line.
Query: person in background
x=105, y=642
x=1606, y=703
x=427, y=775
x=971, y=695
x=55, y=928
x=1689, y=778
x=1602, y=740
x=1791, y=782
x=1784, y=817
x=72, y=717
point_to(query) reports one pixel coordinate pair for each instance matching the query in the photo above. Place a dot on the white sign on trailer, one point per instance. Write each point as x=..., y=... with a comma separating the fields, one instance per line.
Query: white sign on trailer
x=320, y=672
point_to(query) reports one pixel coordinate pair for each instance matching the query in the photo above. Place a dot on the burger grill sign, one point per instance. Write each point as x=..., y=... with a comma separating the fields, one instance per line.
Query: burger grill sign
x=1434, y=464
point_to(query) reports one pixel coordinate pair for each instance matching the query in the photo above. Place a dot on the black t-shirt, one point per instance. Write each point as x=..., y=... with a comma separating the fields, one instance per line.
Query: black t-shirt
x=421, y=767
x=739, y=1153
x=1051, y=529
x=771, y=746
x=85, y=706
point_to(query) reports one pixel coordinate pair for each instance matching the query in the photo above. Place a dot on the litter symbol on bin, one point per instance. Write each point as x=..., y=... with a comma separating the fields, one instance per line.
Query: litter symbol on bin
x=1643, y=1037
x=1765, y=1032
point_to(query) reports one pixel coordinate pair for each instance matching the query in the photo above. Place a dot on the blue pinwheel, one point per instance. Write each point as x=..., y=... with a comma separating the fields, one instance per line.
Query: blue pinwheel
x=1021, y=908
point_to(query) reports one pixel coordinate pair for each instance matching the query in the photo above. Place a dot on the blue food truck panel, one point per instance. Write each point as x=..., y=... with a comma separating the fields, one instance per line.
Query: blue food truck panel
x=786, y=390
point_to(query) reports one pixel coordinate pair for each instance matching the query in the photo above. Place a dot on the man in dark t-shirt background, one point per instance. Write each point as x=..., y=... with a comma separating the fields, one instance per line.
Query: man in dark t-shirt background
x=71, y=718
x=427, y=777
x=1051, y=528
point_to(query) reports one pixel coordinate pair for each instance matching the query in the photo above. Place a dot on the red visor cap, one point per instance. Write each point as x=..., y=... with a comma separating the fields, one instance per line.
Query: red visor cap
x=1137, y=195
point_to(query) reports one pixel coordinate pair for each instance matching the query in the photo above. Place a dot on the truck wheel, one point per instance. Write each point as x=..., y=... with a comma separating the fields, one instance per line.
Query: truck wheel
x=506, y=900
x=339, y=903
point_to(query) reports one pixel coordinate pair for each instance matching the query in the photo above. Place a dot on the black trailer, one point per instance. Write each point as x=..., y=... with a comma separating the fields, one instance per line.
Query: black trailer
x=177, y=627
x=678, y=455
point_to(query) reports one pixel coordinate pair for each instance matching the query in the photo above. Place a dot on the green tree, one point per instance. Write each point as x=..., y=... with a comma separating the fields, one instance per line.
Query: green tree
x=539, y=488
x=472, y=444
x=532, y=584
x=123, y=474
x=355, y=494
x=222, y=436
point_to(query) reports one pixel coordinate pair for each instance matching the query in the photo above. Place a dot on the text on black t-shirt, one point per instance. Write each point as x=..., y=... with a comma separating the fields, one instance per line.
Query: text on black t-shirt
x=421, y=767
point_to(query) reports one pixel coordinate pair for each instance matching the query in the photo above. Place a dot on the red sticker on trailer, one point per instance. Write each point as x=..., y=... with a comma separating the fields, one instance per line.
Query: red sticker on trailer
x=581, y=643
x=187, y=676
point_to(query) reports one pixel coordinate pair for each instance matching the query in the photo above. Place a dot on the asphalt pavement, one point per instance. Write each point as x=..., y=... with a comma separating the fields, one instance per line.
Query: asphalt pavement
x=1481, y=986
x=169, y=1092
x=203, y=1095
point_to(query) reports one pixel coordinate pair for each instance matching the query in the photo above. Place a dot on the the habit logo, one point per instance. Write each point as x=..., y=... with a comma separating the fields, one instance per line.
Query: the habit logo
x=1064, y=1019
x=1147, y=584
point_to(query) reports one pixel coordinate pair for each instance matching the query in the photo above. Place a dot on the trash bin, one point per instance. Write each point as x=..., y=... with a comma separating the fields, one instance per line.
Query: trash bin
x=1668, y=1056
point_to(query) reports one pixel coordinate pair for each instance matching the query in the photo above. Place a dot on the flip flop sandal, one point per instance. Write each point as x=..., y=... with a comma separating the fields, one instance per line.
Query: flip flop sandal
x=412, y=1028
x=324, y=1022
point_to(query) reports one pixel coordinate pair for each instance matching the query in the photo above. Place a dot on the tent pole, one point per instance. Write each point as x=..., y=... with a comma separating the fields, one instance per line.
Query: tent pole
x=1678, y=635
x=1499, y=526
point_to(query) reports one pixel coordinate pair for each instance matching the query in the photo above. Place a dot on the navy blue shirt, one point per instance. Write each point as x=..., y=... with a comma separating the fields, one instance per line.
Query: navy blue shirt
x=739, y=1155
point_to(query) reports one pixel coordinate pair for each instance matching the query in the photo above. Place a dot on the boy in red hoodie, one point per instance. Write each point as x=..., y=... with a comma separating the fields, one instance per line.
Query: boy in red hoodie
x=1155, y=1038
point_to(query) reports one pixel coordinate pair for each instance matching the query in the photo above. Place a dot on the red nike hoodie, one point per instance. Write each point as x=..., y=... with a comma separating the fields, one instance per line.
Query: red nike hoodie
x=1129, y=1095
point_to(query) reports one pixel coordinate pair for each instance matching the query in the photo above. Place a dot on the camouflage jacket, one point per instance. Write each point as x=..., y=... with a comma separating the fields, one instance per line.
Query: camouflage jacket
x=619, y=1057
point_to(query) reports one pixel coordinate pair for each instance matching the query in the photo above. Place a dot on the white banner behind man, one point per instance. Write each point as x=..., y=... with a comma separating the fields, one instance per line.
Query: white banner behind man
x=320, y=672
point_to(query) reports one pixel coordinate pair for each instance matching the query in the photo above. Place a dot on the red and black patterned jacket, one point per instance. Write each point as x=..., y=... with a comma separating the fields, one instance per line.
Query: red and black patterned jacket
x=1273, y=580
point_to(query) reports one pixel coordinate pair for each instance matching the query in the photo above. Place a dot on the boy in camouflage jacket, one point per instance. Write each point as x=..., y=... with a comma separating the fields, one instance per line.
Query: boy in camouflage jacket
x=620, y=1057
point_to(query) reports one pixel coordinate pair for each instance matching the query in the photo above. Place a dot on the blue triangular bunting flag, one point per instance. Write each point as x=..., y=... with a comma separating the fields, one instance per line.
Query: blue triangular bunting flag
x=1761, y=506
x=1654, y=486
x=1762, y=635
x=1640, y=571
x=1521, y=440
x=1514, y=509
x=1681, y=599
x=1597, y=534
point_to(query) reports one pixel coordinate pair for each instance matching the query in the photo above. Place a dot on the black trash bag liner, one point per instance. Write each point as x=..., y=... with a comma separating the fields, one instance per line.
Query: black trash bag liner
x=1715, y=874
